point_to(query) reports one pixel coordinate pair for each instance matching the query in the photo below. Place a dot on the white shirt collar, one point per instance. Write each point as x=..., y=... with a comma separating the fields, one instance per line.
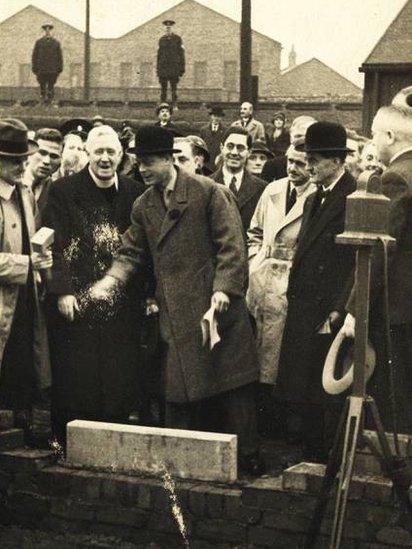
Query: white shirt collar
x=333, y=185
x=114, y=181
x=299, y=189
x=172, y=183
x=400, y=153
x=6, y=190
x=228, y=177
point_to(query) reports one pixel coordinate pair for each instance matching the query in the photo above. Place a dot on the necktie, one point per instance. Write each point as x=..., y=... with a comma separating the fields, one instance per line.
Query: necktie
x=291, y=199
x=320, y=195
x=232, y=186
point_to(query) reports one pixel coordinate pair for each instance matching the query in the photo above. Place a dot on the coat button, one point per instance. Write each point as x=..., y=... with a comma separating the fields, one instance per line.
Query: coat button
x=14, y=225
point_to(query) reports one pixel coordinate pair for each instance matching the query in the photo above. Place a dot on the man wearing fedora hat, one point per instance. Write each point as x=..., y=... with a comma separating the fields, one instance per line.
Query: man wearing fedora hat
x=190, y=230
x=47, y=62
x=212, y=133
x=170, y=61
x=193, y=155
x=24, y=366
x=319, y=282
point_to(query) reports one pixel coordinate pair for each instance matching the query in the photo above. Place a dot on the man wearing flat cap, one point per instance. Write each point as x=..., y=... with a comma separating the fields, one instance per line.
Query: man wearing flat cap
x=164, y=113
x=24, y=366
x=213, y=133
x=319, y=283
x=190, y=229
x=47, y=62
x=170, y=61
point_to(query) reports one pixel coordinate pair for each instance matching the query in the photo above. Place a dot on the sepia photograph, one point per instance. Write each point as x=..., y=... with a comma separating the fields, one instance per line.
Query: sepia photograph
x=205, y=274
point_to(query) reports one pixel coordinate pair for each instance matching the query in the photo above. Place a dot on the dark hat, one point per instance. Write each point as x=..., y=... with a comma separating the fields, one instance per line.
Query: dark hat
x=76, y=126
x=153, y=140
x=260, y=146
x=218, y=111
x=279, y=115
x=201, y=144
x=13, y=139
x=164, y=105
x=168, y=22
x=47, y=26
x=324, y=137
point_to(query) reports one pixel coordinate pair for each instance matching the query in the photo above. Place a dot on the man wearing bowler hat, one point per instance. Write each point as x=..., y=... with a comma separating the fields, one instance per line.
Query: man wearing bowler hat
x=319, y=283
x=212, y=133
x=190, y=230
x=24, y=366
x=47, y=62
x=170, y=61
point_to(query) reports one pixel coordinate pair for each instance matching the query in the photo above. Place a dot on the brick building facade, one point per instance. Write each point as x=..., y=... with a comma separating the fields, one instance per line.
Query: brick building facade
x=125, y=67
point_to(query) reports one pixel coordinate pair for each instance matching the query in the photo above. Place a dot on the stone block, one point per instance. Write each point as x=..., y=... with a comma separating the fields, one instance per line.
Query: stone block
x=127, y=516
x=266, y=537
x=221, y=530
x=25, y=460
x=6, y=420
x=396, y=535
x=11, y=439
x=150, y=450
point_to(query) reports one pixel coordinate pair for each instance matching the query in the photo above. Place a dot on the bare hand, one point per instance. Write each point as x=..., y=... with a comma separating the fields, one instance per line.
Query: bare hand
x=349, y=326
x=68, y=306
x=41, y=261
x=103, y=289
x=220, y=301
x=334, y=318
x=152, y=308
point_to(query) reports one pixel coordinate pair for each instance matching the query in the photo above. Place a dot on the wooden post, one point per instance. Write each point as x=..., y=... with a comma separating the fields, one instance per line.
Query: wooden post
x=246, y=52
x=86, y=83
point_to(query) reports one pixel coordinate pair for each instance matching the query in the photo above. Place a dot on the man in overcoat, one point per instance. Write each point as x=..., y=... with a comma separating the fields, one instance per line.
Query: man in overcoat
x=319, y=283
x=24, y=365
x=170, y=61
x=254, y=128
x=247, y=188
x=94, y=346
x=392, y=136
x=190, y=229
x=47, y=62
x=212, y=133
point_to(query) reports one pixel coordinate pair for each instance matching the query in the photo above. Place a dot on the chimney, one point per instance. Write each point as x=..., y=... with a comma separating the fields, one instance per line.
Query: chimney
x=292, y=58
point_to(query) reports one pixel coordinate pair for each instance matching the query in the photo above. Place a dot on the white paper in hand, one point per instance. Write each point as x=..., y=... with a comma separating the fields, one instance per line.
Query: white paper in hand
x=209, y=328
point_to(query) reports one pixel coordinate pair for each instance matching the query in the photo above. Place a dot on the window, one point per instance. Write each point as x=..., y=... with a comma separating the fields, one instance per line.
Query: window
x=230, y=79
x=95, y=72
x=76, y=75
x=146, y=74
x=126, y=74
x=24, y=74
x=200, y=73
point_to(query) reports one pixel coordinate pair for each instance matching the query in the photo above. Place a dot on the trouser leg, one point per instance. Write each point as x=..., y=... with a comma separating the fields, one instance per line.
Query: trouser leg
x=163, y=92
x=173, y=86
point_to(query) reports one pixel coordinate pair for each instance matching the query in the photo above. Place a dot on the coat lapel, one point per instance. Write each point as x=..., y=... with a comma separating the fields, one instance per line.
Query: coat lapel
x=178, y=205
x=247, y=190
x=297, y=210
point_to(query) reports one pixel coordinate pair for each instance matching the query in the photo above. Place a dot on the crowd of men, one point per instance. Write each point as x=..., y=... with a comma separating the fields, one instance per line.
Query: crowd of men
x=152, y=230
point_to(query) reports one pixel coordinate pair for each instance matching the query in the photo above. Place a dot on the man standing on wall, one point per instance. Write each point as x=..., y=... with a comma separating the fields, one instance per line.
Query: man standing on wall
x=47, y=63
x=170, y=61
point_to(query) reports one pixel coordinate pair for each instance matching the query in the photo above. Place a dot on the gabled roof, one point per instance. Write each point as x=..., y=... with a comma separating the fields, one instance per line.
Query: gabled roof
x=395, y=46
x=37, y=11
x=315, y=78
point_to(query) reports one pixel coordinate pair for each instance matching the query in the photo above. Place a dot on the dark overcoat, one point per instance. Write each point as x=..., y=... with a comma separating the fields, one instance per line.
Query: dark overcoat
x=396, y=185
x=318, y=281
x=95, y=358
x=47, y=56
x=213, y=140
x=248, y=196
x=170, y=57
x=197, y=249
x=278, y=145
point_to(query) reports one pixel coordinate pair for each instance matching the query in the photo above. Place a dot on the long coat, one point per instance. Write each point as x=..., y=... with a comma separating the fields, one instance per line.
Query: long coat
x=318, y=279
x=254, y=128
x=170, y=57
x=271, y=243
x=197, y=248
x=47, y=56
x=213, y=140
x=248, y=196
x=13, y=273
x=95, y=358
x=396, y=185
x=278, y=145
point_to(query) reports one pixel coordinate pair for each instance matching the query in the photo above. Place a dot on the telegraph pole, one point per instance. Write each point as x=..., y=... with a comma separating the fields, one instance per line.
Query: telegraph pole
x=246, y=52
x=86, y=87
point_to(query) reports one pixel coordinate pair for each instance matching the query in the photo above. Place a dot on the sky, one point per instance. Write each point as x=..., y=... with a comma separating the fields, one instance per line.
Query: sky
x=340, y=33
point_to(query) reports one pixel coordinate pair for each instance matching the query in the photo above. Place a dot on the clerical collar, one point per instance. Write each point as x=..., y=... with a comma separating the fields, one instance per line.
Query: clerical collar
x=114, y=180
x=333, y=185
x=400, y=153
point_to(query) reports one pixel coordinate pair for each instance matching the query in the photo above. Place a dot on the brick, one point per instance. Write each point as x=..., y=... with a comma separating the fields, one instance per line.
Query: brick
x=25, y=460
x=127, y=516
x=378, y=490
x=262, y=492
x=150, y=450
x=221, y=530
x=215, y=501
x=197, y=501
x=266, y=537
x=28, y=506
x=304, y=477
x=10, y=439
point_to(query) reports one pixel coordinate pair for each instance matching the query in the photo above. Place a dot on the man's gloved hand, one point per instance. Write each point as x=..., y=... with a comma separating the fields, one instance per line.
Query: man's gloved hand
x=68, y=306
x=348, y=328
x=220, y=301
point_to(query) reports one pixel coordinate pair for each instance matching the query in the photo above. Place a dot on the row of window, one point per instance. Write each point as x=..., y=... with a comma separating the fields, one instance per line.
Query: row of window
x=144, y=75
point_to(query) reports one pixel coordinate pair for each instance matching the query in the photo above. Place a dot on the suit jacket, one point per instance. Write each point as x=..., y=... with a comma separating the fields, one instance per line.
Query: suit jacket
x=197, y=249
x=318, y=279
x=170, y=57
x=47, y=56
x=248, y=196
x=255, y=128
x=274, y=169
x=213, y=141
